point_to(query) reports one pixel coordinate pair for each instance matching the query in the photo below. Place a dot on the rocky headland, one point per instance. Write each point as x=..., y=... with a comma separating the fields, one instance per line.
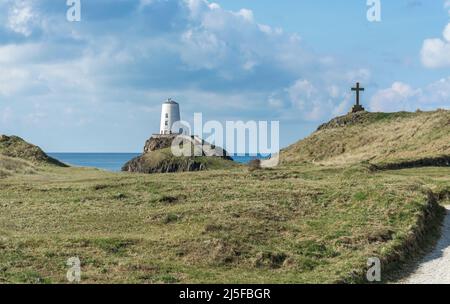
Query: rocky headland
x=158, y=157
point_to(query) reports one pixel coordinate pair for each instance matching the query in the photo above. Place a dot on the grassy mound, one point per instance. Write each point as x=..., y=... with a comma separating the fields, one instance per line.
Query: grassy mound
x=16, y=147
x=376, y=138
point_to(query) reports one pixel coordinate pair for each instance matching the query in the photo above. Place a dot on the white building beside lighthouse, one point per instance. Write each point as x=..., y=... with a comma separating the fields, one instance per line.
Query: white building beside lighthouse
x=170, y=114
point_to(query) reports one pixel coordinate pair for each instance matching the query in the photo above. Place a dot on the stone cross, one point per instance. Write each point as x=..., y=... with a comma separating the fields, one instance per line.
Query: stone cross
x=357, y=89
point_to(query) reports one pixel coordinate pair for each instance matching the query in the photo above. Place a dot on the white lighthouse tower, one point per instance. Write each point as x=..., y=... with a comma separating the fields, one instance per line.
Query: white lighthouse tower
x=170, y=114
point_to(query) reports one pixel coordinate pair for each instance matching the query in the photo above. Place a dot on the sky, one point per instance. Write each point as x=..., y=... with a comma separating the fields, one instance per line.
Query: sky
x=97, y=85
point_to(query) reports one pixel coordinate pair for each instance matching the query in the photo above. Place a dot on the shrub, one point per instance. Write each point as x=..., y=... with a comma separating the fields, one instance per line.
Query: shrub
x=170, y=218
x=254, y=165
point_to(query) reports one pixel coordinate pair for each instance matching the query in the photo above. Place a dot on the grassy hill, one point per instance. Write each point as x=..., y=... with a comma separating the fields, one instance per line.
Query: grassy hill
x=317, y=218
x=378, y=138
x=16, y=147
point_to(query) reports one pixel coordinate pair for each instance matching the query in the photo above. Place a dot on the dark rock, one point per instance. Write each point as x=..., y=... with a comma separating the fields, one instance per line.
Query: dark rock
x=158, y=143
x=357, y=108
x=141, y=165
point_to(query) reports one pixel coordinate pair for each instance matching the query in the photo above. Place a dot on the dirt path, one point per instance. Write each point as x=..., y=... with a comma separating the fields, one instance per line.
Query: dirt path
x=435, y=267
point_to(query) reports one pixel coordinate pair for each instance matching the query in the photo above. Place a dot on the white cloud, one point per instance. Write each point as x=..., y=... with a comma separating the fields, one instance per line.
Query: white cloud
x=21, y=18
x=203, y=50
x=229, y=45
x=447, y=32
x=403, y=97
x=246, y=14
x=314, y=101
x=438, y=93
x=13, y=80
x=344, y=106
x=300, y=91
x=334, y=91
x=223, y=63
x=435, y=52
x=235, y=42
x=303, y=96
x=398, y=97
x=15, y=54
x=144, y=3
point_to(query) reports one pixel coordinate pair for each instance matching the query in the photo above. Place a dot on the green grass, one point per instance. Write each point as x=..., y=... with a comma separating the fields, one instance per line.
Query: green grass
x=292, y=224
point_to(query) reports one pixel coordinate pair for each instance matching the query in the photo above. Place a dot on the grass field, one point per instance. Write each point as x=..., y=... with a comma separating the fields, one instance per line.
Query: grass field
x=293, y=224
x=317, y=218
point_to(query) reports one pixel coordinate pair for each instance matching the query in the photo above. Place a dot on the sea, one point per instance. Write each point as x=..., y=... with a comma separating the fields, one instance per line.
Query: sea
x=115, y=161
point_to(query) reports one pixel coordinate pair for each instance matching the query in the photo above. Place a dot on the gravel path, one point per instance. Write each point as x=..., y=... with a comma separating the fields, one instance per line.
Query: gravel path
x=435, y=267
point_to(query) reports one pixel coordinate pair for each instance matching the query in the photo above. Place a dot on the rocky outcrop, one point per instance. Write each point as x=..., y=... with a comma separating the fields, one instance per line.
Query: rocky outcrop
x=142, y=164
x=199, y=147
x=357, y=108
x=158, y=156
x=353, y=118
x=158, y=143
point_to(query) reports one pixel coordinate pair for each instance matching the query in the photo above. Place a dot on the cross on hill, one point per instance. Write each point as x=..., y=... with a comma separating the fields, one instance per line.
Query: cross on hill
x=357, y=89
x=358, y=107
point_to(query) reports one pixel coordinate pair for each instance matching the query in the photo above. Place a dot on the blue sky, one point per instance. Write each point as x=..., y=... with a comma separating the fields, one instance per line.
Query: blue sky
x=97, y=85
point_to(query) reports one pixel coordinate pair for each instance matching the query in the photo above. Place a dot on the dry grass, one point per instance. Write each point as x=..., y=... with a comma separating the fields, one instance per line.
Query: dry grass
x=10, y=166
x=377, y=137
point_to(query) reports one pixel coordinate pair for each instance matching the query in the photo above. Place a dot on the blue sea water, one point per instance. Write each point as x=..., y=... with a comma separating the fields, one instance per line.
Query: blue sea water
x=105, y=161
x=112, y=161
